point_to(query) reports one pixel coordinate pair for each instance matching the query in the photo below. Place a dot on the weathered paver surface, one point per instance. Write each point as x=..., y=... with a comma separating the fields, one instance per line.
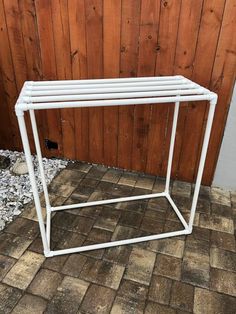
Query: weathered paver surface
x=185, y=274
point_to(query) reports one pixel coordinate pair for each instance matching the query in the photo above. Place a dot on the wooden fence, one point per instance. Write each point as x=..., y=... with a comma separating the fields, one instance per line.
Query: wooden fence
x=72, y=39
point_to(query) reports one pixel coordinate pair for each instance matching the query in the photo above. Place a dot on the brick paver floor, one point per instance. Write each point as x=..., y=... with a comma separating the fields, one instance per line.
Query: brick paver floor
x=185, y=274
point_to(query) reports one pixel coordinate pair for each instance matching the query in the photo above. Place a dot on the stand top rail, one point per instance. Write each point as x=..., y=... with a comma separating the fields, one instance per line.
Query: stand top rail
x=109, y=92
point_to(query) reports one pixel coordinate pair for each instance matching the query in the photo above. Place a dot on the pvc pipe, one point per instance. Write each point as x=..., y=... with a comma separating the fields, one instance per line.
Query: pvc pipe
x=116, y=243
x=105, y=103
x=202, y=160
x=29, y=162
x=113, y=80
x=171, y=149
x=31, y=90
x=38, y=99
x=110, y=201
x=39, y=155
x=43, y=179
x=134, y=84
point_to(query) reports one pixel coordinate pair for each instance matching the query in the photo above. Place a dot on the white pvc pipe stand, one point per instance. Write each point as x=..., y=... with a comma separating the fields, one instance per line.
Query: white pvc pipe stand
x=110, y=92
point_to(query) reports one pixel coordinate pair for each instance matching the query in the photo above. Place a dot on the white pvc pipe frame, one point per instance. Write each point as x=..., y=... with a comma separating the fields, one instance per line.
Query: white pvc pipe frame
x=104, y=92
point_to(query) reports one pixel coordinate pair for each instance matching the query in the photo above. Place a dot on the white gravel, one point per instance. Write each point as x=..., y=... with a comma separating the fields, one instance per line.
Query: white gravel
x=15, y=190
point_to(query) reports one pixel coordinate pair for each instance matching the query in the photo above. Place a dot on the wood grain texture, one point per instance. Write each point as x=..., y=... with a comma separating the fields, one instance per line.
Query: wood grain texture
x=148, y=34
x=128, y=68
x=94, y=32
x=49, y=69
x=111, y=63
x=73, y=39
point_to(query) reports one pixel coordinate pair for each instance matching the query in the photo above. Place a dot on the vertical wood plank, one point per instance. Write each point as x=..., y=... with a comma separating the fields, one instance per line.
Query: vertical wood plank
x=207, y=42
x=222, y=82
x=161, y=115
x=111, y=61
x=8, y=79
x=5, y=131
x=33, y=58
x=78, y=52
x=61, y=36
x=128, y=68
x=189, y=21
x=16, y=41
x=94, y=33
x=45, y=28
x=149, y=22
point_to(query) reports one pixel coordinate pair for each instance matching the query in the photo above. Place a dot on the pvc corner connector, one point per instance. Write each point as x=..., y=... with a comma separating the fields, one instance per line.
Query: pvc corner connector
x=48, y=253
x=20, y=108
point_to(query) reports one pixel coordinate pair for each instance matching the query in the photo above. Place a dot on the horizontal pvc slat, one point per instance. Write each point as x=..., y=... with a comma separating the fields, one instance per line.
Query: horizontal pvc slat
x=110, y=85
x=112, y=102
x=42, y=99
x=119, y=242
x=112, y=80
x=79, y=90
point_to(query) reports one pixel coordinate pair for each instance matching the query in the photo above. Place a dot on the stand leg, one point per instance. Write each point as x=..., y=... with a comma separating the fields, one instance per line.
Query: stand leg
x=202, y=161
x=171, y=150
x=42, y=175
x=25, y=141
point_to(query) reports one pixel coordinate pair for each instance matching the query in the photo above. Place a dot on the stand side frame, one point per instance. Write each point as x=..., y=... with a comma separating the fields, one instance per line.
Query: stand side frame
x=45, y=231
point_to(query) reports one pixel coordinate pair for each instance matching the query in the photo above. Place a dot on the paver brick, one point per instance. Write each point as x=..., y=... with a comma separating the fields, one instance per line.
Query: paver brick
x=160, y=289
x=23, y=227
x=168, y=266
x=221, y=210
x=140, y=267
x=99, y=235
x=223, y=259
x=73, y=223
x=181, y=188
x=173, y=246
x=107, y=219
x=22, y=273
x=128, y=178
x=136, y=206
x=220, y=196
x=217, y=223
x=223, y=281
x=224, y=241
x=123, y=232
x=80, y=166
x=29, y=304
x=30, y=213
x=9, y=296
x=6, y=263
x=206, y=301
x=196, y=263
x=98, y=300
x=102, y=272
x=55, y=263
x=155, y=308
x=182, y=296
x=130, y=219
x=68, y=297
x=145, y=182
x=152, y=225
x=74, y=265
x=124, y=306
x=118, y=254
x=159, y=203
x=112, y=175
x=159, y=185
x=131, y=290
x=45, y=283
x=96, y=172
